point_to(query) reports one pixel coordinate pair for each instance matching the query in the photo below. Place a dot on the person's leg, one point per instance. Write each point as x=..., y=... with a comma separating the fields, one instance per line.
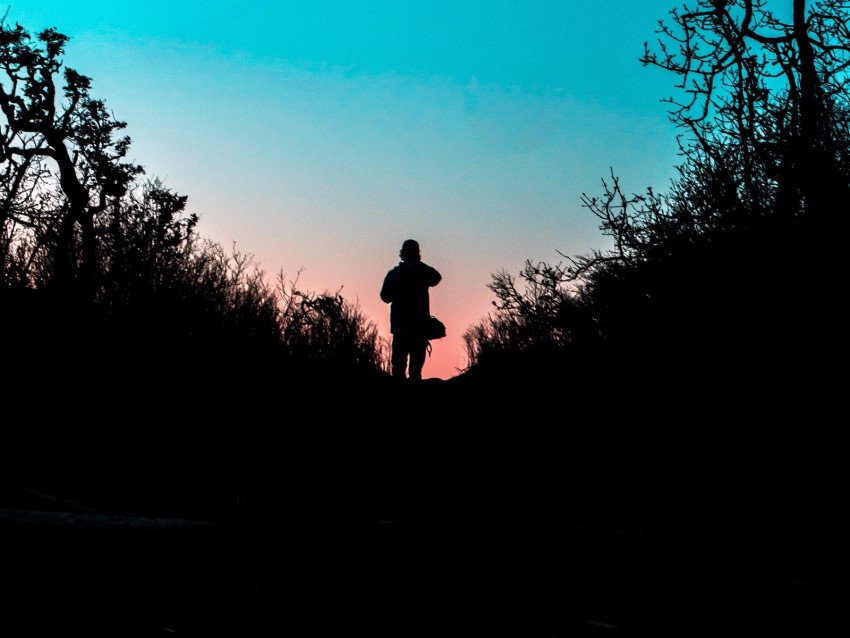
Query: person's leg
x=418, y=352
x=398, y=358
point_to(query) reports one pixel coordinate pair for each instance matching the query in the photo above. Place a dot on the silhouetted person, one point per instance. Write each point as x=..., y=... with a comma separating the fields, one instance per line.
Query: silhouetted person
x=406, y=290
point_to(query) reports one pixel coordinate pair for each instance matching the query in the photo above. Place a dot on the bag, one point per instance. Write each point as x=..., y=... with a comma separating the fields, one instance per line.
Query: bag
x=435, y=329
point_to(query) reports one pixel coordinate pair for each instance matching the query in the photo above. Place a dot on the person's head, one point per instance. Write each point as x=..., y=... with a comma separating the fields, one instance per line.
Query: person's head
x=409, y=250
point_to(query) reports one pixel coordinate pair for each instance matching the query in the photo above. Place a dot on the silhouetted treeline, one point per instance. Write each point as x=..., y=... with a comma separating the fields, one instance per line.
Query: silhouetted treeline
x=737, y=272
x=103, y=269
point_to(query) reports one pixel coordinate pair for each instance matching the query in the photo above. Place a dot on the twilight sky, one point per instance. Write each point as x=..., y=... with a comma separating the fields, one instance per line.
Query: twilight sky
x=318, y=135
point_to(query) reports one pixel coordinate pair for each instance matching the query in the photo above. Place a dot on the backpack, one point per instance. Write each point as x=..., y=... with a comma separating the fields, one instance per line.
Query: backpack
x=435, y=329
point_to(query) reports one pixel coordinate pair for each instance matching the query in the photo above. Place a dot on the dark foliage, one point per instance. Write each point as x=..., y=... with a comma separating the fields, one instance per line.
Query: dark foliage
x=735, y=275
x=103, y=270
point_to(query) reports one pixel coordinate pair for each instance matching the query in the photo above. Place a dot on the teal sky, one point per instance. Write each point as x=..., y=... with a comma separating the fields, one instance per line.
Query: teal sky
x=317, y=135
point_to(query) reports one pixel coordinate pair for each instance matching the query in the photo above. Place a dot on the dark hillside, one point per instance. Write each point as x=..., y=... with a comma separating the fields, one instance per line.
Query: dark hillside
x=447, y=508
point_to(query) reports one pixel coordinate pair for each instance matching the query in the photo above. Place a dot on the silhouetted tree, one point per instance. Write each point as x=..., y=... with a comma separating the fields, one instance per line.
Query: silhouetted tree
x=74, y=133
x=765, y=178
x=765, y=98
x=739, y=263
x=107, y=266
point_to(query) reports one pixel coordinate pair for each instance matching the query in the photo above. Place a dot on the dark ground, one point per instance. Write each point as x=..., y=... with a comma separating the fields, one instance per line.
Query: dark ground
x=339, y=517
